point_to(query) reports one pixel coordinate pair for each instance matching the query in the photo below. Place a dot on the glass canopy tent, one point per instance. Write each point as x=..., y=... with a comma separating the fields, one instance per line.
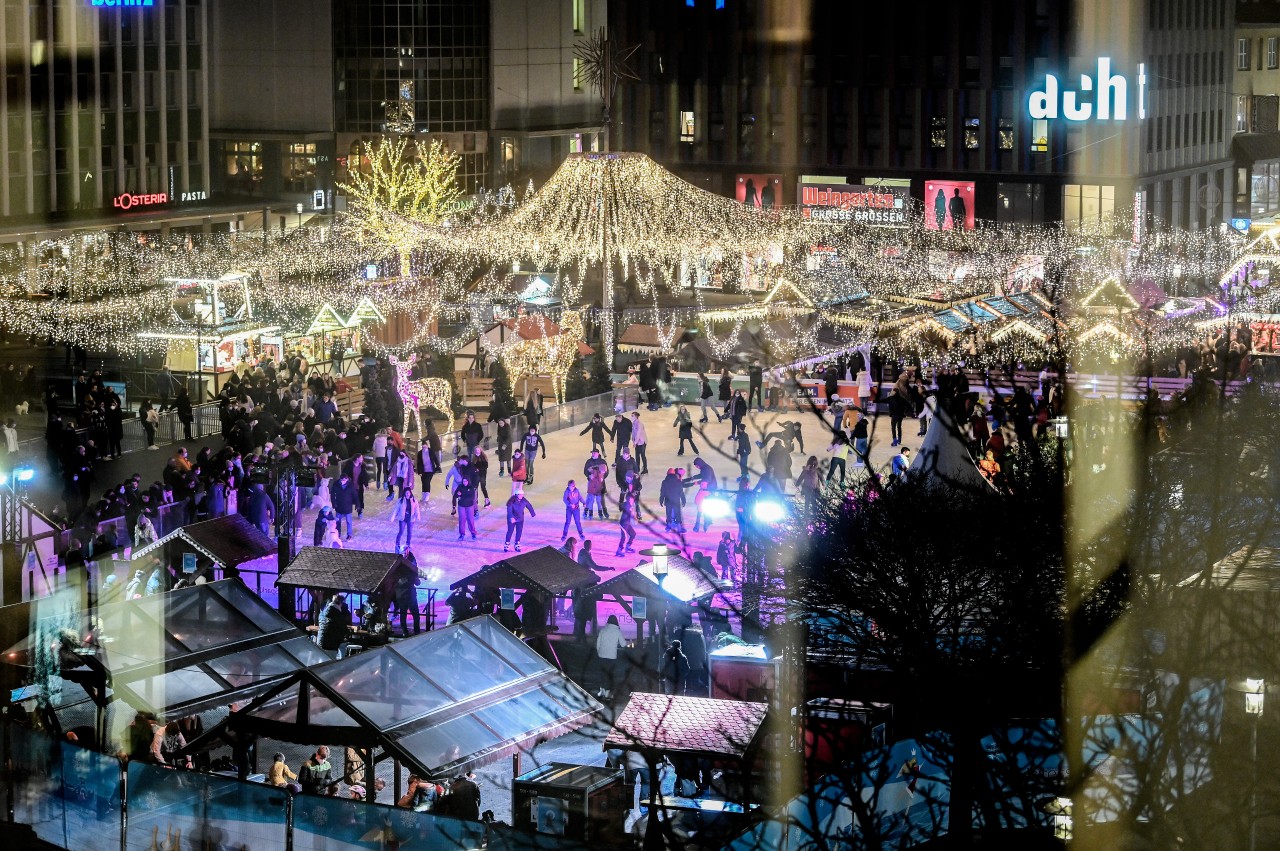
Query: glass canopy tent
x=441, y=703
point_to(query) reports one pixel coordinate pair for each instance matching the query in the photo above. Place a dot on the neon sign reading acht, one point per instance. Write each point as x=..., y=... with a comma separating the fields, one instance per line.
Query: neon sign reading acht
x=1111, y=102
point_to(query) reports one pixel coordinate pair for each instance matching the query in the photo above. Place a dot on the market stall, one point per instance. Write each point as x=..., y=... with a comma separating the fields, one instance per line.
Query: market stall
x=329, y=338
x=440, y=704
x=315, y=571
x=539, y=576
x=202, y=549
x=666, y=602
x=698, y=734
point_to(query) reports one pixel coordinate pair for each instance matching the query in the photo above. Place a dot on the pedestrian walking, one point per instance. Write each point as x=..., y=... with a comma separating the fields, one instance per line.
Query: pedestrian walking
x=185, y=414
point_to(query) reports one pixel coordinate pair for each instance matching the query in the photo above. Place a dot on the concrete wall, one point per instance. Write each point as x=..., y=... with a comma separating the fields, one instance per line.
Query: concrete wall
x=272, y=65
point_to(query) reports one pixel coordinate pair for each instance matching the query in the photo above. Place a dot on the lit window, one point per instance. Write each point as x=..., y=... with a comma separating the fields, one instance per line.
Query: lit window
x=579, y=16
x=578, y=73
x=1004, y=134
x=1040, y=136
x=1272, y=60
x=575, y=143
x=687, y=127
x=1242, y=113
x=972, y=128
x=1242, y=54
x=938, y=132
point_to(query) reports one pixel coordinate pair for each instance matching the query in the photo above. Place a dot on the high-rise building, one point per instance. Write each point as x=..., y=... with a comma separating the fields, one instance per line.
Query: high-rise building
x=1133, y=103
x=1255, y=110
x=105, y=113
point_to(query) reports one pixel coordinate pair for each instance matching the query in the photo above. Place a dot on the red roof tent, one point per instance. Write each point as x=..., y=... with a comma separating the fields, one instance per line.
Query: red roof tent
x=692, y=725
x=536, y=326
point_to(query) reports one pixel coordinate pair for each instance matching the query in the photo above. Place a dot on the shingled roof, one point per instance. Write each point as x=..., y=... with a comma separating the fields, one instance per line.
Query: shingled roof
x=345, y=570
x=229, y=541
x=695, y=725
x=545, y=569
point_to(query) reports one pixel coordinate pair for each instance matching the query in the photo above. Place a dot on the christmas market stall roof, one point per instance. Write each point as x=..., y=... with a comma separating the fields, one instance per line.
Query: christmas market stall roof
x=545, y=570
x=187, y=650
x=693, y=725
x=683, y=584
x=441, y=703
x=229, y=541
x=361, y=571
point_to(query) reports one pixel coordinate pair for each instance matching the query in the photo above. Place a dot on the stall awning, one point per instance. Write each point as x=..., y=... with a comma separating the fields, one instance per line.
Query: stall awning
x=229, y=541
x=190, y=649
x=693, y=725
x=441, y=703
x=362, y=571
x=545, y=570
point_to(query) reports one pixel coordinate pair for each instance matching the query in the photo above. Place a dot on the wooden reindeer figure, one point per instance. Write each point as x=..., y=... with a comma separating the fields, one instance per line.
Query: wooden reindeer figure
x=420, y=393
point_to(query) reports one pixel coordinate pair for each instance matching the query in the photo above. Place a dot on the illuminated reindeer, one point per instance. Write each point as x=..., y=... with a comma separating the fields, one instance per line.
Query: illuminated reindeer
x=420, y=393
x=553, y=355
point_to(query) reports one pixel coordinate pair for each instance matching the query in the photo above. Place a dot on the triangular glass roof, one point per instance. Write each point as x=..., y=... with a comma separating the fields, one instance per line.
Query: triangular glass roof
x=451, y=698
x=196, y=647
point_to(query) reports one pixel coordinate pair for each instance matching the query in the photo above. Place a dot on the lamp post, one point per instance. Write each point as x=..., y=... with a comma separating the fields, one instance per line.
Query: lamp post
x=300, y=208
x=1255, y=697
x=660, y=555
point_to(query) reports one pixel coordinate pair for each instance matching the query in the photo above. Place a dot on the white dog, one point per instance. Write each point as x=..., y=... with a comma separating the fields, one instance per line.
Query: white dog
x=22, y=408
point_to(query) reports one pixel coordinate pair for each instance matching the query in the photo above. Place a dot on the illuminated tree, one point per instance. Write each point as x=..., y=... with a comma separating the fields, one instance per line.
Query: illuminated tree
x=418, y=184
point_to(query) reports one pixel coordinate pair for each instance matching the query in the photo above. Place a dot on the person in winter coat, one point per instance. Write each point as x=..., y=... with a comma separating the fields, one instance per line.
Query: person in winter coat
x=675, y=669
x=572, y=509
x=471, y=432
x=335, y=620
x=468, y=484
x=532, y=442
x=778, y=463
x=144, y=532
x=742, y=449
x=705, y=475
x=342, y=495
x=401, y=474
x=809, y=483
x=626, y=523
x=405, y=514
x=480, y=467
x=504, y=447
x=532, y=410
x=725, y=388
x=115, y=428
x=519, y=469
x=428, y=466
x=624, y=468
x=706, y=398
x=596, y=470
x=183, y=404
x=517, y=505
x=598, y=430
x=685, y=423
x=621, y=435
x=641, y=439
x=453, y=479
x=737, y=413
x=261, y=509
x=324, y=519
x=725, y=559
x=671, y=497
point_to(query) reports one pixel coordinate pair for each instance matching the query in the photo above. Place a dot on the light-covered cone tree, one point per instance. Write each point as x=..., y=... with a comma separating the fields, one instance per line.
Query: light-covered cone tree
x=395, y=180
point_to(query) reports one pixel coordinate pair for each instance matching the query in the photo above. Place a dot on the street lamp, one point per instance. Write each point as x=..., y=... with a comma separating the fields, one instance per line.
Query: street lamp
x=1060, y=809
x=300, y=209
x=660, y=554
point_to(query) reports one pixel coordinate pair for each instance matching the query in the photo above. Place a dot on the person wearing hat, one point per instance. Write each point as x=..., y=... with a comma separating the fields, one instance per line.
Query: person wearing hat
x=279, y=774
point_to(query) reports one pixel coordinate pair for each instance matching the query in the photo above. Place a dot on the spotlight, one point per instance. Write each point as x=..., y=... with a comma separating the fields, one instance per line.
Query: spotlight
x=716, y=507
x=769, y=511
x=24, y=474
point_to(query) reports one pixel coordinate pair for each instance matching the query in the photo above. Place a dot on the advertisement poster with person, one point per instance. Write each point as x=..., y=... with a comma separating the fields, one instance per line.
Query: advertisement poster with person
x=948, y=205
x=763, y=191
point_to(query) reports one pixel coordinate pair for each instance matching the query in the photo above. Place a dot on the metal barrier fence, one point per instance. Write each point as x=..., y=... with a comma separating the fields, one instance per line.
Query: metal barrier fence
x=75, y=797
x=558, y=416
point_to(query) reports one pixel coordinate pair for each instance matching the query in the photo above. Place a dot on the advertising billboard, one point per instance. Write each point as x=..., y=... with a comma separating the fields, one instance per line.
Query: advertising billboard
x=885, y=206
x=948, y=205
x=763, y=191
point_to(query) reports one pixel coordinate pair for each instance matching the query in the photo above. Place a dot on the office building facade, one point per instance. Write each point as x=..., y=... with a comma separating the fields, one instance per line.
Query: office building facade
x=842, y=92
